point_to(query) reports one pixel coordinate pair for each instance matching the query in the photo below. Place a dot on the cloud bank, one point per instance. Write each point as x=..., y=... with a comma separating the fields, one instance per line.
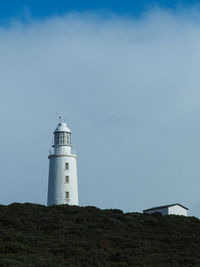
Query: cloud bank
x=130, y=92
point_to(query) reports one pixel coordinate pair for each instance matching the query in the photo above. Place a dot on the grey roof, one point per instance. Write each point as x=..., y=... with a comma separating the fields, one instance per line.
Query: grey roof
x=166, y=206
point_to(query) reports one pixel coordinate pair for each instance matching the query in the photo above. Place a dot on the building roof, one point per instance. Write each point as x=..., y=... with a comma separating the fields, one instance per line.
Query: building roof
x=166, y=206
x=62, y=127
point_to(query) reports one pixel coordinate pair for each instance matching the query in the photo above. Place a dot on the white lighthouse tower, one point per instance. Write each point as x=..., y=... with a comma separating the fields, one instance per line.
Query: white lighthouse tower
x=63, y=185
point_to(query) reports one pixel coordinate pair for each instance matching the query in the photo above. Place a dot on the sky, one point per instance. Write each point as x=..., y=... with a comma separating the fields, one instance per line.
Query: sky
x=125, y=75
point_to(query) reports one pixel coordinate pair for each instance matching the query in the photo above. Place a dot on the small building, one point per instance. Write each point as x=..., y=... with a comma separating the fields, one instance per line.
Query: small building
x=176, y=209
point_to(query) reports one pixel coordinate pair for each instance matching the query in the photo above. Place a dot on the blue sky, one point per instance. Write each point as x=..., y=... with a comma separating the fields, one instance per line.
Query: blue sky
x=125, y=75
x=44, y=8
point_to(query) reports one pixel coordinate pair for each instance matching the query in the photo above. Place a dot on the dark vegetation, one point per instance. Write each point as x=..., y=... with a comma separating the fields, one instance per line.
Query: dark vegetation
x=35, y=235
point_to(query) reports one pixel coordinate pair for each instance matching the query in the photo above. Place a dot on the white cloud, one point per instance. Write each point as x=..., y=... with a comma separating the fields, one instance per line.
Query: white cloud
x=129, y=89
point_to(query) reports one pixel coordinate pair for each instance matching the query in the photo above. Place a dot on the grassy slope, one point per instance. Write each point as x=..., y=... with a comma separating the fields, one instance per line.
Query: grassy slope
x=35, y=235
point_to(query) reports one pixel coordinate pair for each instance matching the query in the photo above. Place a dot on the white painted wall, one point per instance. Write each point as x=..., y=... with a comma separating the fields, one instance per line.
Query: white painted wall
x=178, y=210
x=66, y=150
x=57, y=185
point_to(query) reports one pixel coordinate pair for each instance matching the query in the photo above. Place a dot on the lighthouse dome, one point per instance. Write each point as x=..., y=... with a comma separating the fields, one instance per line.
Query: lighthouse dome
x=62, y=127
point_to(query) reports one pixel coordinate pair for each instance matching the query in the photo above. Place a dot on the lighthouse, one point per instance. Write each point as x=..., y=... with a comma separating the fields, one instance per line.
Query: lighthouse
x=63, y=185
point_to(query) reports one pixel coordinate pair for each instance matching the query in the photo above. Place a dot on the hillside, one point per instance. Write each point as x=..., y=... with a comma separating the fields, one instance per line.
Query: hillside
x=35, y=235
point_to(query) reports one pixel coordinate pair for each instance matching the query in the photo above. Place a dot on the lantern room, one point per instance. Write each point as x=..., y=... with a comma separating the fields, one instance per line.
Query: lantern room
x=62, y=135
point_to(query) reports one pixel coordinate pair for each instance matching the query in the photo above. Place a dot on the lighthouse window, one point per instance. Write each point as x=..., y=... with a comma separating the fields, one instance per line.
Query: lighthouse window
x=67, y=194
x=56, y=139
x=66, y=166
x=68, y=138
x=65, y=138
x=66, y=179
x=61, y=139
